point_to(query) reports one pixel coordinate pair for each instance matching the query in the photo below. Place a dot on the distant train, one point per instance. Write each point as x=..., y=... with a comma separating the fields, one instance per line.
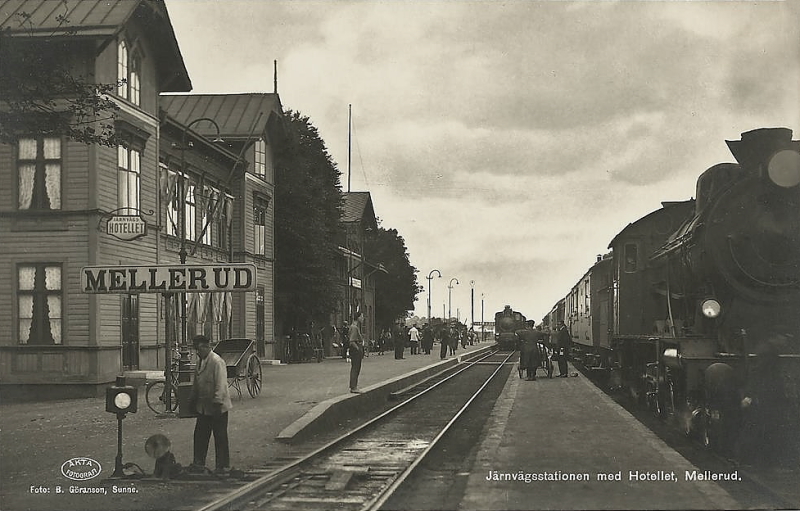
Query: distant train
x=696, y=309
x=506, y=323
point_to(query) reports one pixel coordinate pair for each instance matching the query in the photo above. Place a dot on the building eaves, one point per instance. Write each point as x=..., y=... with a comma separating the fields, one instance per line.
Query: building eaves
x=102, y=19
x=238, y=115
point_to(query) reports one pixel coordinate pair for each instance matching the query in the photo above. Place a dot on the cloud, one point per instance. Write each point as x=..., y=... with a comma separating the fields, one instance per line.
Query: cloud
x=508, y=142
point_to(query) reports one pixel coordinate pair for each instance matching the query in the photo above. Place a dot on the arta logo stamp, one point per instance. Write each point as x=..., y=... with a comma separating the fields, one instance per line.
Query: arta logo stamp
x=81, y=469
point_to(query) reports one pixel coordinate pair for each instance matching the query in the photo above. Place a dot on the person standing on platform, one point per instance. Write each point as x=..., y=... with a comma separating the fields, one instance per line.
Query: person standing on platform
x=345, y=340
x=427, y=339
x=212, y=401
x=444, y=339
x=563, y=340
x=356, y=348
x=413, y=339
x=399, y=342
x=453, y=340
x=528, y=341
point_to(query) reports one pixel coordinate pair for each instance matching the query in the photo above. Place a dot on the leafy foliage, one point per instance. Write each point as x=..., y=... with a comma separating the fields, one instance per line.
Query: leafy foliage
x=46, y=87
x=308, y=207
x=396, y=290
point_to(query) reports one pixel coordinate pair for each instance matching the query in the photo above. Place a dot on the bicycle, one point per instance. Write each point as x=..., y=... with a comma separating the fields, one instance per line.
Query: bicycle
x=156, y=391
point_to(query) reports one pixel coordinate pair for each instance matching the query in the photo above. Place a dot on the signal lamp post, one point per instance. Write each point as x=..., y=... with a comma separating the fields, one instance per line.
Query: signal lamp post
x=120, y=399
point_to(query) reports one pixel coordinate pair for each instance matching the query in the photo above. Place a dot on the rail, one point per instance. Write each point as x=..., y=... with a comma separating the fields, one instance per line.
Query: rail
x=240, y=497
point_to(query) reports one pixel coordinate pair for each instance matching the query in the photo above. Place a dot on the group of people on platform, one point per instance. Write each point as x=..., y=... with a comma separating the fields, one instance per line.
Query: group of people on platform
x=533, y=345
x=419, y=340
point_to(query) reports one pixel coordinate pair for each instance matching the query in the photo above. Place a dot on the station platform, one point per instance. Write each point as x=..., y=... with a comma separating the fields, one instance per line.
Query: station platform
x=297, y=401
x=561, y=443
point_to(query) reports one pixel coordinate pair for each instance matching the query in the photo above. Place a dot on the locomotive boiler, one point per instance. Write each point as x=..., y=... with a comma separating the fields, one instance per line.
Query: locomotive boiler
x=729, y=282
x=698, y=313
x=506, y=323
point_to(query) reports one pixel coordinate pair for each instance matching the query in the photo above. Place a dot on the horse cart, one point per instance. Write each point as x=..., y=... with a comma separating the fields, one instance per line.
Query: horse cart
x=243, y=364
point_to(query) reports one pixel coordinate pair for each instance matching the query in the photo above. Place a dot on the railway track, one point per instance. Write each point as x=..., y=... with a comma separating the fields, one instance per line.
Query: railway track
x=363, y=468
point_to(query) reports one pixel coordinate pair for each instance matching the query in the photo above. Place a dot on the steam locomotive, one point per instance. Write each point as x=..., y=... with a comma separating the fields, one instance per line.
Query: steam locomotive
x=506, y=323
x=695, y=311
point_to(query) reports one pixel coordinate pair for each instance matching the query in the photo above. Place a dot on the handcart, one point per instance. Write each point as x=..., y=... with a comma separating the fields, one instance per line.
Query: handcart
x=243, y=364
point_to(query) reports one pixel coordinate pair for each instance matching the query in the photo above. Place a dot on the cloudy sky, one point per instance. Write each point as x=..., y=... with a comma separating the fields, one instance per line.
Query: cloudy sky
x=508, y=142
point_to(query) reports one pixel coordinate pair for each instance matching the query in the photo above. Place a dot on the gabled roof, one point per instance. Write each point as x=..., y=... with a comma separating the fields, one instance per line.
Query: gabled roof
x=358, y=207
x=103, y=19
x=236, y=114
x=100, y=17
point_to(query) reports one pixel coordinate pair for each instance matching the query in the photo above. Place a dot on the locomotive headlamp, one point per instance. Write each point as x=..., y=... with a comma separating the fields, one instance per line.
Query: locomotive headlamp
x=783, y=168
x=711, y=308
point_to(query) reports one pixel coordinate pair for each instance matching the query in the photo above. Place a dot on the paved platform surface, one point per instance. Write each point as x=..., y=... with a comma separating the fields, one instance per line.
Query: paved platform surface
x=37, y=438
x=566, y=428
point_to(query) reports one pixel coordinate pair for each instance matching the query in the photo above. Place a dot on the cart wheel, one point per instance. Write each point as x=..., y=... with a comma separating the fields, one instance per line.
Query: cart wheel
x=253, y=376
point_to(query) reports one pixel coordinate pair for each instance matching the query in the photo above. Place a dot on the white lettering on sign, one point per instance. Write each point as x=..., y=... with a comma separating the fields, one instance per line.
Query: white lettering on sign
x=168, y=279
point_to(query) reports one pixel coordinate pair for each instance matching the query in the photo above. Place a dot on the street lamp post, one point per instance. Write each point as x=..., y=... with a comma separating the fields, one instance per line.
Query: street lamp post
x=184, y=348
x=449, y=298
x=430, y=277
x=472, y=303
x=483, y=326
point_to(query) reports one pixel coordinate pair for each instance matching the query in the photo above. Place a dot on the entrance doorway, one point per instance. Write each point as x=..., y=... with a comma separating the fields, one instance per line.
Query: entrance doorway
x=130, y=332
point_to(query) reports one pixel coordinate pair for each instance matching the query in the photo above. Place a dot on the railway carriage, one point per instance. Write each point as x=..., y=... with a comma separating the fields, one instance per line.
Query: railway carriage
x=701, y=318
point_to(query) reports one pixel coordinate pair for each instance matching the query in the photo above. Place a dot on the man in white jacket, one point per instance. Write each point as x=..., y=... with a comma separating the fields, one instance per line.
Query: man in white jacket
x=212, y=402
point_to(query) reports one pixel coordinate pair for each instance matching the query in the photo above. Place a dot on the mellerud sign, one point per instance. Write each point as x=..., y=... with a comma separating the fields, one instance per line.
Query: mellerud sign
x=180, y=278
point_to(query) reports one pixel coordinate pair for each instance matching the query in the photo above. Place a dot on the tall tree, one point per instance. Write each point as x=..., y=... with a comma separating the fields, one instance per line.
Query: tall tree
x=396, y=290
x=46, y=87
x=308, y=207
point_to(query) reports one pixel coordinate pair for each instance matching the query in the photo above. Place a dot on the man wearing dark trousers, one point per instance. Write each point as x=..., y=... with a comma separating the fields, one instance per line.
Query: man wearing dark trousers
x=529, y=350
x=356, y=351
x=563, y=341
x=444, y=338
x=212, y=401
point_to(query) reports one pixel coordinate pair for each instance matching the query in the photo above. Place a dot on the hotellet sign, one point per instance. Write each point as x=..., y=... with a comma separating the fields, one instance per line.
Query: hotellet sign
x=179, y=278
x=126, y=227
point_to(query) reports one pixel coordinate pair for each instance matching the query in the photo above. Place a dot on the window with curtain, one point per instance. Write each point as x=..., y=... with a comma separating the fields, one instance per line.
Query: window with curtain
x=211, y=195
x=260, y=226
x=39, y=169
x=171, y=192
x=128, y=180
x=221, y=221
x=190, y=209
x=39, y=299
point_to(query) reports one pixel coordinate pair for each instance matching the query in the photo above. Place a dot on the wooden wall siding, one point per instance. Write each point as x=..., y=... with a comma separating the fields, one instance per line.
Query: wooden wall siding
x=59, y=365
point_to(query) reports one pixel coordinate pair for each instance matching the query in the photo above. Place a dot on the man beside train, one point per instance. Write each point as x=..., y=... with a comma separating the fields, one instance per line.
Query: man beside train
x=528, y=341
x=563, y=340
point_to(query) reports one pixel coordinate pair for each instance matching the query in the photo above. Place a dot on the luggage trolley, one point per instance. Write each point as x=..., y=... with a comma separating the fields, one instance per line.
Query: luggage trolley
x=243, y=364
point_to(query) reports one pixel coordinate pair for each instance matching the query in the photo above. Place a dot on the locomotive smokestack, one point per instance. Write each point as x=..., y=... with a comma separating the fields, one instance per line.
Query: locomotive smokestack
x=757, y=146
